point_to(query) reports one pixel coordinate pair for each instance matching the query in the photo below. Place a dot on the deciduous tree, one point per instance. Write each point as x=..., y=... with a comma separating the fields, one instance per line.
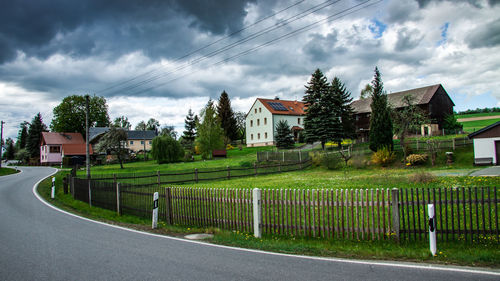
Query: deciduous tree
x=113, y=142
x=122, y=122
x=69, y=115
x=165, y=149
x=210, y=133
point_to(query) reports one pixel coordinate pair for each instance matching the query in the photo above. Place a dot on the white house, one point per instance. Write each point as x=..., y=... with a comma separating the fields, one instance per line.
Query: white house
x=265, y=114
x=487, y=144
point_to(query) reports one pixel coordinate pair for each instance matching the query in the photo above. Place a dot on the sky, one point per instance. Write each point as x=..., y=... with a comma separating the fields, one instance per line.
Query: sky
x=159, y=58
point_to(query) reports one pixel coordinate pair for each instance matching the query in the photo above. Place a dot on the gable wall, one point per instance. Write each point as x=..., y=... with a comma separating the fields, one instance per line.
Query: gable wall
x=257, y=114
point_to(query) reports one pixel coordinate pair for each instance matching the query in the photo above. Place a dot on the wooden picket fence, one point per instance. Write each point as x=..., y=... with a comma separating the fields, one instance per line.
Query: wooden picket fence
x=462, y=214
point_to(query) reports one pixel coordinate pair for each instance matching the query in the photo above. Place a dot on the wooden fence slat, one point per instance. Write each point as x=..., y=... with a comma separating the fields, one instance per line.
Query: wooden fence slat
x=357, y=213
x=446, y=211
x=465, y=213
x=337, y=216
x=452, y=214
x=496, y=212
x=372, y=201
x=441, y=226
x=458, y=212
x=295, y=214
x=408, y=215
x=482, y=208
x=352, y=214
x=384, y=206
x=283, y=208
x=418, y=214
x=330, y=226
x=414, y=215
x=477, y=213
x=424, y=212
x=489, y=208
x=286, y=212
x=342, y=211
x=378, y=214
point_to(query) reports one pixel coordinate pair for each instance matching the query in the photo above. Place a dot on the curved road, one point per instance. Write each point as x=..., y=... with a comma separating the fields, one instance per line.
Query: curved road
x=40, y=243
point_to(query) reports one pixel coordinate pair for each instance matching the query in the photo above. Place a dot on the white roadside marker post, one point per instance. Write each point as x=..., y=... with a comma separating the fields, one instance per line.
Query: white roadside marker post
x=432, y=229
x=53, y=192
x=155, y=210
x=257, y=212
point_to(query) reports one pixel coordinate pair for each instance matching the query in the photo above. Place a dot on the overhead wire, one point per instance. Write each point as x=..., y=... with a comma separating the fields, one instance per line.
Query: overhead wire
x=330, y=18
x=233, y=45
x=204, y=47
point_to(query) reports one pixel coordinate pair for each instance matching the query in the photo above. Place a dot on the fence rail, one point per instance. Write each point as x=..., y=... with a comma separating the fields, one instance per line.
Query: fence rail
x=421, y=145
x=464, y=214
x=185, y=176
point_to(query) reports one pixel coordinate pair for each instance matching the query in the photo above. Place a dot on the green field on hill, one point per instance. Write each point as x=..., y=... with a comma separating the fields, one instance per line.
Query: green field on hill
x=472, y=115
x=472, y=126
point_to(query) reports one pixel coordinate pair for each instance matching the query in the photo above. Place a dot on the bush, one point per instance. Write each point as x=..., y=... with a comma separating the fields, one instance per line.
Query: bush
x=358, y=162
x=416, y=159
x=165, y=149
x=331, y=160
x=422, y=177
x=383, y=157
x=315, y=158
x=229, y=146
x=188, y=157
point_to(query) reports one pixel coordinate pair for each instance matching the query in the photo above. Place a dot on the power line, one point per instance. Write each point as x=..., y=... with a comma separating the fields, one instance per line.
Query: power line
x=204, y=47
x=330, y=18
x=234, y=44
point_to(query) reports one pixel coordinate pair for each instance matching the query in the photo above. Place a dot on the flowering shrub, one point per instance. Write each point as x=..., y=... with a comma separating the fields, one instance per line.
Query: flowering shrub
x=229, y=146
x=416, y=159
x=383, y=157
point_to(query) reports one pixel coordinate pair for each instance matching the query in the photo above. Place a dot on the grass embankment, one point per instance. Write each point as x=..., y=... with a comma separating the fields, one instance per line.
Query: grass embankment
x=483, y=253
x=7, y=171
x=472, y=126
x=474, y=115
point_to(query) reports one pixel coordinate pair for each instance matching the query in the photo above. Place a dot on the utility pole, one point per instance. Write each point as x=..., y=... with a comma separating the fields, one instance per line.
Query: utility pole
x=87, y=151
x=1, y=143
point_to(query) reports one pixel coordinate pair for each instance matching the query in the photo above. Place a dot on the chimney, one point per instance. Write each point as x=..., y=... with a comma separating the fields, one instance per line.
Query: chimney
x=276, y=98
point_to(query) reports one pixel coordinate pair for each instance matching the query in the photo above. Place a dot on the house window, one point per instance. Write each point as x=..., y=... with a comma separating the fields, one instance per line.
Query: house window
x=251, y=136
x=265, y=121
x=258, y=136
x=142, y=142
x=131, y=142
x=298, y=121
x=258, y=122
x=251, y=123
x=256, y=110
x=55, y=149
x=265, y=134
x=260, y=110
x=149, y=142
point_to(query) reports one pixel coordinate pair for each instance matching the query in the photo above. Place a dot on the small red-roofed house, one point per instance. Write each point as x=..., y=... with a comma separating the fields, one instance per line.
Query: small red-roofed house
x=55, y=146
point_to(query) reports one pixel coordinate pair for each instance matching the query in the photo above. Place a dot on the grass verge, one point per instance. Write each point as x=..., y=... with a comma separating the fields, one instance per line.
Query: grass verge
x=484, y=253
x=7, y=171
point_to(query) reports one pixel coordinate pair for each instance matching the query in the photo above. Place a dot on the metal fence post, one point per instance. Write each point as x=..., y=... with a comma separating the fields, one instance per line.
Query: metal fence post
x=90, y=193
x=395, y=213
x=168, y=202
x=118, y=198
x=257, y=212
x=72, y=185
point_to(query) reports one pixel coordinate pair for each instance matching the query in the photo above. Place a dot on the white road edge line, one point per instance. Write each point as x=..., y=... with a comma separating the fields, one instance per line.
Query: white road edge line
x=379, y=263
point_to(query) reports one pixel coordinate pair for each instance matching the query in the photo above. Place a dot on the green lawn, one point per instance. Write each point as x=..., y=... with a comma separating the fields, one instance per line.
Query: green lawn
x=473, y=126
x=7, y=171
x=234, y=158
x=472, y=115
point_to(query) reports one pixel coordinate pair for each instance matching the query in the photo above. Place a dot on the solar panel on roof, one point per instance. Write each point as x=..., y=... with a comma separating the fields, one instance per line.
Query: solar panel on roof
x=278, y=106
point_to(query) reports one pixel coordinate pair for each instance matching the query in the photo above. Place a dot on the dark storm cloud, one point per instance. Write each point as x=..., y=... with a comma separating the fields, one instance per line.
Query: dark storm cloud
x=487, y=35
x=43, y=27
x=475, y=3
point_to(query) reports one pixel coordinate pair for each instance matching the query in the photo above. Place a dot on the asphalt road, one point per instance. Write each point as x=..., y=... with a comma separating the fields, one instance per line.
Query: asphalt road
x=40, y=243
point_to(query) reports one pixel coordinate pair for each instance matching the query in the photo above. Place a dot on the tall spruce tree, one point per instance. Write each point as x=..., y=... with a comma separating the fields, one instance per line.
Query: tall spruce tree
x=284, y=138
x=189, y=134
x=330, y=127
x=342, y=99
x=10, y=150
x=381, y=131
x=22, y=136
x=315, y=89
x=226, y=117
x=35, y=135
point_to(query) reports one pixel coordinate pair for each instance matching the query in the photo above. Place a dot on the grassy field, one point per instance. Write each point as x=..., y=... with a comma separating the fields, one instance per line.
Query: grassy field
x=472, y=126
x=473, y=115
x=484, y=253
x=7, y=171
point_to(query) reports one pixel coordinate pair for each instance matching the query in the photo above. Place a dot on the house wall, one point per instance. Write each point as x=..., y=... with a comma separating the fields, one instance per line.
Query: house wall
x=137, y=145
x=292, y=120
x=255, y=128
x=47, y=157
x=485, y=147
x=439, y=107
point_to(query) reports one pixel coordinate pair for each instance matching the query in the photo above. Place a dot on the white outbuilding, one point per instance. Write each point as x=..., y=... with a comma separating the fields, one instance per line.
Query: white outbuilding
x=487, y=145
x=265, y=114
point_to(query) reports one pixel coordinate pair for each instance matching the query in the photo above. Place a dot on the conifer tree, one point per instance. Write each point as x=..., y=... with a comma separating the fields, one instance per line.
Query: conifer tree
x=22, y=136
x=381, y=131
x=190, y=125
x=342, y=105
x=35, y=135
x=226, y=117
x=315, y=88
x=284, y=138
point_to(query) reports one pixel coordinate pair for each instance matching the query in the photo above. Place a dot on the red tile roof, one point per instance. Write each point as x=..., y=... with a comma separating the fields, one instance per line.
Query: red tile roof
x=293, y=107
x=62, y=138
x=75, y=149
